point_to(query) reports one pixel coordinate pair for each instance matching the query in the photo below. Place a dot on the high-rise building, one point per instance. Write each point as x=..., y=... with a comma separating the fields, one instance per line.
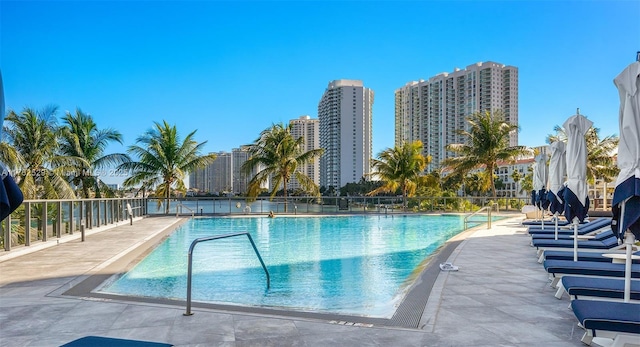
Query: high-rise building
x=240, y=179
x=201, y=179
x=215, y=177
x=345, y=114
x=196, y=180
x=433, y=111
x=220, y=173
x=309, y=130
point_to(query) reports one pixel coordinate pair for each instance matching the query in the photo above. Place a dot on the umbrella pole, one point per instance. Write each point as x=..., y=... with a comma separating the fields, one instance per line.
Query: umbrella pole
x=575, y=238
x=555, y=217
x=629, y=240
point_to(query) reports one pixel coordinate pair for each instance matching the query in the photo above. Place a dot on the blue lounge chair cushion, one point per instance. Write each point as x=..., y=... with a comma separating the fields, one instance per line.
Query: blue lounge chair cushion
x=589, y=268
x=583, y=256
x=99, y=341
x=582, y=228
x=607, y=243
x=600, y=287
x=597, y=237
x=620, y=317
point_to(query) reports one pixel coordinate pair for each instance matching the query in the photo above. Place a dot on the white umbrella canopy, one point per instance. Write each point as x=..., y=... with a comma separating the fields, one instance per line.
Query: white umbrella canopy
x=557, y=171
x=576, y=197
x=628, y=182
x=626, y=197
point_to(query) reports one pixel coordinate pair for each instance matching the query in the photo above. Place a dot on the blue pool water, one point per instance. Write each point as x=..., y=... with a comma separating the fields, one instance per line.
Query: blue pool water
x=355, y=265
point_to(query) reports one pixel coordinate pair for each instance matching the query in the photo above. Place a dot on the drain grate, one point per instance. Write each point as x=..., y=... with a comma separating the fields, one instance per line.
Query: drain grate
x=410, y=311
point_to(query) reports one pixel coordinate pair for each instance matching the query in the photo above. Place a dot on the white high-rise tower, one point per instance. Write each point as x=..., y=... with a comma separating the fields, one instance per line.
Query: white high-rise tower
x=432, y=111
x=345, y=114
x=309, y=130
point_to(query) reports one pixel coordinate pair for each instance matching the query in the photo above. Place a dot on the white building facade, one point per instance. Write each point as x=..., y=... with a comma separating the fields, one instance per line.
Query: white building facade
x=221, y=173
x=240, y=180
x=345, y=114
x=214, y=178
x=309, y=130
x=432, y=111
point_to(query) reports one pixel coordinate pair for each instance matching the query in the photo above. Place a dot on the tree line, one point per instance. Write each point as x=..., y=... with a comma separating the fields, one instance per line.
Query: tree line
x=52, y=161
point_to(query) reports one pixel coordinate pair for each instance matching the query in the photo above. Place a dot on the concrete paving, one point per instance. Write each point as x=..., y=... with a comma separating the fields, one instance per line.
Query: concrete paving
x=499, y=297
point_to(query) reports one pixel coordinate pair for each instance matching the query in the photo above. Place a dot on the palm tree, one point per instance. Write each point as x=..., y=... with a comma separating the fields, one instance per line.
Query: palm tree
x=164, y=160
x=81, y=138
x=9, y=156
x=279, y=156
x=487, y=142
x=400, y=168
x=40, y=171
x=600, y=161
x=516, y=176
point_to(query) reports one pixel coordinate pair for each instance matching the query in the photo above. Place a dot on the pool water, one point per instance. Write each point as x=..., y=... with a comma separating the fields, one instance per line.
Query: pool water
x=354, y=265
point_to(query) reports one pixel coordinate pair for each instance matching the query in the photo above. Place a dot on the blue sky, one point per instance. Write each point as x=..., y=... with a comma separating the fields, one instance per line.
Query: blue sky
x=231, y=69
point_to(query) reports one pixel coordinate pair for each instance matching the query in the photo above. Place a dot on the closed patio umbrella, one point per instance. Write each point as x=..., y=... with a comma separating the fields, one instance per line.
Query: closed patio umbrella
x=557, y=171
x=540, y=184
x=576, y=197
x=10, y=195
x=626, y=197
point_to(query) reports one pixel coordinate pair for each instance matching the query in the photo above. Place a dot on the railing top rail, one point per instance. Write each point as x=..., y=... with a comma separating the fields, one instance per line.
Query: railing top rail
x=72, y=200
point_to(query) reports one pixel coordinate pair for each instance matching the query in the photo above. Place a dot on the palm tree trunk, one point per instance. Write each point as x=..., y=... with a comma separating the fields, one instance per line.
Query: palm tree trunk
x=85, y=189
x=284, y=185
x=167, y=195
x=404, y=196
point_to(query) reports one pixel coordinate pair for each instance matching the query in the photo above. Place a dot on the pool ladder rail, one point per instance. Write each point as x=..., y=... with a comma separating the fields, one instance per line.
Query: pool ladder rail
x=211, y=238
x=488, y=208
x=179, y=210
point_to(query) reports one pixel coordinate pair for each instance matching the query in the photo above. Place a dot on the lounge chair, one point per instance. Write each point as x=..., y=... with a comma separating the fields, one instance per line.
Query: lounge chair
x=581, y=287
x=600, y=235
x=583, y=256
x=567, y=229
x=608, y=244
x=608, y=323
x=559, y=268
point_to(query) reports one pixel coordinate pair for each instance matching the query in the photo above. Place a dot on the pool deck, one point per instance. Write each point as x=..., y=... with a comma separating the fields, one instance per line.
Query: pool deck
x=499, y=297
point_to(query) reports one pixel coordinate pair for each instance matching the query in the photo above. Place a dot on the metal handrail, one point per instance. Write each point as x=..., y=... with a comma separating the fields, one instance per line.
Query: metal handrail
x=488, y=208
x=178, y=211
x=210, y=238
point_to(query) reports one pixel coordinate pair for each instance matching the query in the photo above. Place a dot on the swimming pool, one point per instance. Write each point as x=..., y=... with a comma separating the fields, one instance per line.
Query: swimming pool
x=353, y=265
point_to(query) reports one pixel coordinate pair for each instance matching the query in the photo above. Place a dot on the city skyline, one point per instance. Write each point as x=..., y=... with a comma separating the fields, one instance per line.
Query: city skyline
x=230, y=70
